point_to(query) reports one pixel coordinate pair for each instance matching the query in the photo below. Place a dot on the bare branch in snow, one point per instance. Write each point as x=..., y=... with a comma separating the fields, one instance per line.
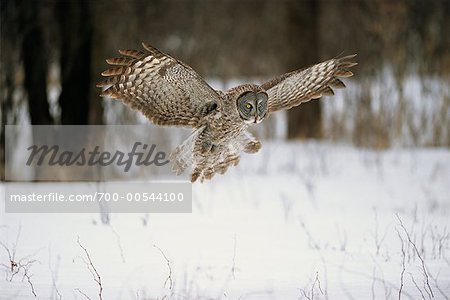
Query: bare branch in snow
x=92, y=269
x=119, y=244
x=435, y=279
x=417, y=286
x=313, y=244
x=424, y=269
x=16, y=267
x=403, y=264
x=376, y=235
x=83, y=294
x=309, y=295
x=54, y=273
x=169, y=276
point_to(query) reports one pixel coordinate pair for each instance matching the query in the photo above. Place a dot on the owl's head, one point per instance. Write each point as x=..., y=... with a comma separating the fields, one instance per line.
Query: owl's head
x=252, y=105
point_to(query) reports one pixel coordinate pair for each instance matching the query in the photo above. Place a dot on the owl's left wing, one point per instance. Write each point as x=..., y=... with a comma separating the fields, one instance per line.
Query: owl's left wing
x=292, y=89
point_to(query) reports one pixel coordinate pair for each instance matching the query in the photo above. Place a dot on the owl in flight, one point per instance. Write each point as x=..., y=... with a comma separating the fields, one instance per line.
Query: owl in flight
x=169, y=92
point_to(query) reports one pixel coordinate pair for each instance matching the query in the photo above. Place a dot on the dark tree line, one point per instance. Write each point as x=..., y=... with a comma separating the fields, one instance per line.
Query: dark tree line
x=64, y=30
x=40, y=31
x=33, y=34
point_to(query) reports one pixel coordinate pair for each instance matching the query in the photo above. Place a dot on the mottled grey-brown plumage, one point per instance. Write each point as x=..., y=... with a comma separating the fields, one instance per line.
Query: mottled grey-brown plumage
x=168, y=92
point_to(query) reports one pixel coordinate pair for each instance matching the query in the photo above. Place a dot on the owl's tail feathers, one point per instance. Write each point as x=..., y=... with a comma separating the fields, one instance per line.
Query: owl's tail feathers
x=181, y=156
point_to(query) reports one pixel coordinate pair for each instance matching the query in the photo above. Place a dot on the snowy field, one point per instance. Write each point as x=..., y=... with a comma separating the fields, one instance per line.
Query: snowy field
x=295, y=221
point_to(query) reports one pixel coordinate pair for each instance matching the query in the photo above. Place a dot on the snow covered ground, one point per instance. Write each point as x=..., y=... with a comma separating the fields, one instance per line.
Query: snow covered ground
x=295, y=221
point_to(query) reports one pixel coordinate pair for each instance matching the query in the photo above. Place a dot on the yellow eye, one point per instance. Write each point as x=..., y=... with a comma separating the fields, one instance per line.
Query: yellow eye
x=248, y=106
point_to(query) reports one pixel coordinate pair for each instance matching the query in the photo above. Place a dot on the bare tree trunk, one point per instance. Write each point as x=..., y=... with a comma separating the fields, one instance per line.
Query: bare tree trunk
x=35, y=65
x=100, y=36
x=305, y=121
x=35, y=62
x=76, y=42
x=22, y=39
x=6, y=86
x=6, y=81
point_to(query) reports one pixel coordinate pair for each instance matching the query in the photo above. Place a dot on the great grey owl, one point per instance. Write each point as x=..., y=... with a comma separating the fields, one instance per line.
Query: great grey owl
x=169, y=92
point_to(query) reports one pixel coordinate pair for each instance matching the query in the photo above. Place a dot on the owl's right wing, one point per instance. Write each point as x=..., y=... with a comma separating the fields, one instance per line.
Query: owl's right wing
x=294, y=88
x=165, y=90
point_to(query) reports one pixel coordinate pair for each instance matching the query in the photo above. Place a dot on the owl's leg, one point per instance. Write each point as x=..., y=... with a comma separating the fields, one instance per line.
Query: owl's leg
x=252, y=146
x=202, y=171
x=221, y=168
x=231, y=158
x=208, y=173
x=249, y=143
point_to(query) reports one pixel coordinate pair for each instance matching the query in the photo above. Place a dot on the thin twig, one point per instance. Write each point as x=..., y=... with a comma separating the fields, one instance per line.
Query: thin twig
x=28, y=277
x=119, y=244
x=93, y=270
x=233, y=266
x=82, y=293
x=403, y=264
x=378, y=240
x=435, y=279
x=318, y=283
x=54, y=276
x=424, y=269
x=378, y=279
x=310, y=295
x=372, y=287
x=316, y=247
x=417, y=286
x=169, y=276
x=22, y=265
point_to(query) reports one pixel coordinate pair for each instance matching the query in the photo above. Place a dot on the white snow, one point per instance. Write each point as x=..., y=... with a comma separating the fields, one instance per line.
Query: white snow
x=267, y=229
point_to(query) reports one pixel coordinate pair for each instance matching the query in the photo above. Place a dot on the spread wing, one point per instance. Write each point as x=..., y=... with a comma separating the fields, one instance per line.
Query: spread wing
x=165, y=90
x=294, y=88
